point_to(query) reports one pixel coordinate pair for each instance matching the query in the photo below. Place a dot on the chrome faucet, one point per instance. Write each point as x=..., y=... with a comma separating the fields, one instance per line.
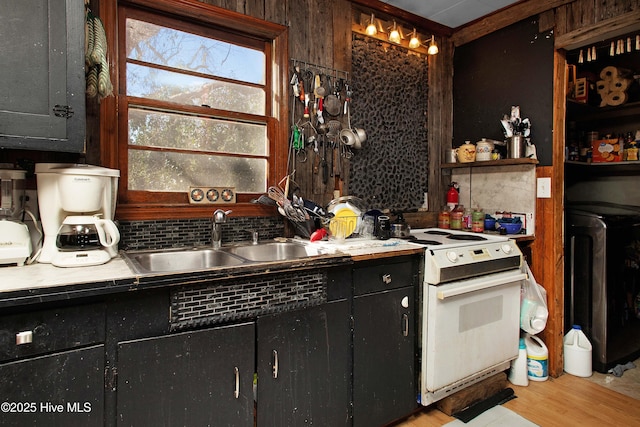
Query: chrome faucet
x=219, y=218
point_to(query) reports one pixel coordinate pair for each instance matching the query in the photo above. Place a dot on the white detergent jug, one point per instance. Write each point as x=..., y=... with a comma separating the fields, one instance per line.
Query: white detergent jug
x=577, y=353
x=537, y=358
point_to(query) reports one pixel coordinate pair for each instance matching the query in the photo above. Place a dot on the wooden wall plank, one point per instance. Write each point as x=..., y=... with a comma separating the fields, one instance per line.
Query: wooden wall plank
x=580, y=13
x=546, y=21
x=320, y=32
x=561, y=21
x=503, y=18
x=439, y=120
x=255, y=8
x=342, y=35
x=298, y=21
x=571, y=39
x=276, y=11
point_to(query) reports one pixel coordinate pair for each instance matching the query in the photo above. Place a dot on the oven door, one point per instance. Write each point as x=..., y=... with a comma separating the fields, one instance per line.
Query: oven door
x=469, y=326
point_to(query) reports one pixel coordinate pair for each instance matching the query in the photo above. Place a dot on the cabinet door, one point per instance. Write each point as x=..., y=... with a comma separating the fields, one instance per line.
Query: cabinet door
x=384, y=348
x=58, y=390
x=42, y=96
x=195, y=378
x=303, y=367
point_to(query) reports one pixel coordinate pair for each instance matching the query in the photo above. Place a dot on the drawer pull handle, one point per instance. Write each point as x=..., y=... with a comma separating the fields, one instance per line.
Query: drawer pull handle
x=25, y=337
x=405, y=325
x=236, y=392
x=386, y=279
x=275, y=363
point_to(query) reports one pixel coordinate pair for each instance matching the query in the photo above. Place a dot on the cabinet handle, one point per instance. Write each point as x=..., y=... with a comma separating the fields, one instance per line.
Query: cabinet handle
x=236, y=392
x=405, y=324
x=386, y=279
x=24, y=337
x=275, y=363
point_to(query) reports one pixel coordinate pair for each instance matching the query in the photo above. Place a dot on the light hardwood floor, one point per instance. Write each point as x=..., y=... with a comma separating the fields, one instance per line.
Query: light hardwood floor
x=564, y=401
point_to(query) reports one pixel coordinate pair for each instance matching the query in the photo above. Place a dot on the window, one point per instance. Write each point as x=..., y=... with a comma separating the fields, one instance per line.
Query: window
x=196, y=102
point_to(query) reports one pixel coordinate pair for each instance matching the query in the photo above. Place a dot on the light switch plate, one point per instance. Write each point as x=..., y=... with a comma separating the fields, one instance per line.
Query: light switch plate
x=544, y=188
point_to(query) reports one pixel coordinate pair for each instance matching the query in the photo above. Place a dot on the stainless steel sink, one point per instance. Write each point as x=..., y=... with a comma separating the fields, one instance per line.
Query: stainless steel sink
x=181, y=260
x=157, y=261
x=274, y=251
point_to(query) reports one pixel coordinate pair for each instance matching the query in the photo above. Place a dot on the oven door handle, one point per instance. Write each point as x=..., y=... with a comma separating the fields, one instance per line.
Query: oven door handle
x=479, y=285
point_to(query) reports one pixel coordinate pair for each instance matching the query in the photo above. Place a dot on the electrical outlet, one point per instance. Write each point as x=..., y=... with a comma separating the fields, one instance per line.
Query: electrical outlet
x=544, y=188
x=31, y=204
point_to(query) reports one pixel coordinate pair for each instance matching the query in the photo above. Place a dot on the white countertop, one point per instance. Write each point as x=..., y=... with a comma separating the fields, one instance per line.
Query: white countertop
x=360, y=246
x=40, y=275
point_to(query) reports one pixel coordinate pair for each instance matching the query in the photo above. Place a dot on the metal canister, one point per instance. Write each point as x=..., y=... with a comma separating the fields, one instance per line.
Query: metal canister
x=384, y=227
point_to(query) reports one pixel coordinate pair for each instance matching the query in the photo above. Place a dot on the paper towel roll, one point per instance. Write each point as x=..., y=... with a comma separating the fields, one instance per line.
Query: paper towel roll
x=602, y=87
x=609, y=73
x=615, y=98
x=618, y=83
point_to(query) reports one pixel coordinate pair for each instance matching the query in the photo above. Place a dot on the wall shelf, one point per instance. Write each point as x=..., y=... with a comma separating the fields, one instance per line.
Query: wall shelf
x=501, y=162
x=584, y=112
x=609, y=168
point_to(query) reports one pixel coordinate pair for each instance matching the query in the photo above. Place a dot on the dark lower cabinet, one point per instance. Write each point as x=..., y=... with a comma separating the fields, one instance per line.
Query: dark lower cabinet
x=384, y=345
x=304, y=367
x=199, y=378
x=57, y=390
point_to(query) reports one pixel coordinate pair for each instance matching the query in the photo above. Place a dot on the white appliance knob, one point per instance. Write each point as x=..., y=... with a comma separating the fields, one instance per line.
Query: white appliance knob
x=506, y=248
x=453, y=256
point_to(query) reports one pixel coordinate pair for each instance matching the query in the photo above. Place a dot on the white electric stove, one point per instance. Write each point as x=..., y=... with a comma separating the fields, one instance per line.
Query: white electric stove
x=470, y=310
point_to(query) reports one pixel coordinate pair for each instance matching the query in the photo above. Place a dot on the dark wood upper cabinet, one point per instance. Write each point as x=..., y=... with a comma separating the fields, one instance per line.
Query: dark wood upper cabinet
x=42, y=90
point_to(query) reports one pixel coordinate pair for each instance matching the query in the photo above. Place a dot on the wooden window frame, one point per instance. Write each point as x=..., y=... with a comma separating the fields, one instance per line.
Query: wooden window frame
x=113, y=109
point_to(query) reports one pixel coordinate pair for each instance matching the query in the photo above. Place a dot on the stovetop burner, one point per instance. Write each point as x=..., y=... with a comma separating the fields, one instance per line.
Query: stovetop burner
x=426, y=242
x=437, y=233
x=474, y=237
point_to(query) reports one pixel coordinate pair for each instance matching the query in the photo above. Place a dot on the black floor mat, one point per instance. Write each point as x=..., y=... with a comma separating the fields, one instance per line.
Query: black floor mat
x=476, y=409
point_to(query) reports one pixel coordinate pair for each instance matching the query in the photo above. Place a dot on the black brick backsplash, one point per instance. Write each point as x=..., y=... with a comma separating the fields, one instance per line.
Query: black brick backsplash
x=219, y=303
x=164, y=234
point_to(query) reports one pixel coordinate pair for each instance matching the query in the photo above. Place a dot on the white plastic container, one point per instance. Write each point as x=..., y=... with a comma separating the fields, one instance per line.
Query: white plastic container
x=577, y=353
x=518, y=371
x=537, y=358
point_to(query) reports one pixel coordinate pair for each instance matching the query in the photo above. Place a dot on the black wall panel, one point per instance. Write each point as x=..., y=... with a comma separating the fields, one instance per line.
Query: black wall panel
x=512, y=66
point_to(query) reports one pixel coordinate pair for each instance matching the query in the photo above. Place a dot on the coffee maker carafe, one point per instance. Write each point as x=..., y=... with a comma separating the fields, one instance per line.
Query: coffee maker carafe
x=89, y=238
x=77, y=205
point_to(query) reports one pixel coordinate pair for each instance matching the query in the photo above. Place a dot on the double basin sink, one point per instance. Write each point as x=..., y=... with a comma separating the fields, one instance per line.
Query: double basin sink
x=153, y=261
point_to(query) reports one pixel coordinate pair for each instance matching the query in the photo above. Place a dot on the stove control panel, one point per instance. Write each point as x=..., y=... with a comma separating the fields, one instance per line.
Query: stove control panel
x=477, y=259
x=507, y=248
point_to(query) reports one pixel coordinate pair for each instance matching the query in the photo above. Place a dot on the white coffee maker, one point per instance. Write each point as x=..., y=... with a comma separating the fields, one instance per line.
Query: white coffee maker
x=77, y=205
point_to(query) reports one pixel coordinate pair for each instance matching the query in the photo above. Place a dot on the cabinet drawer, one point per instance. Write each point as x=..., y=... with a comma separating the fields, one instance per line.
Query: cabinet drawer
x=45, y=331
x=382, y=277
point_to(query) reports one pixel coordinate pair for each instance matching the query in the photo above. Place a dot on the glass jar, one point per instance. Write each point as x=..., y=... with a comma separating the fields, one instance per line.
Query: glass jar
x=456, y=217
x=477, y=221
x=444, y=218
